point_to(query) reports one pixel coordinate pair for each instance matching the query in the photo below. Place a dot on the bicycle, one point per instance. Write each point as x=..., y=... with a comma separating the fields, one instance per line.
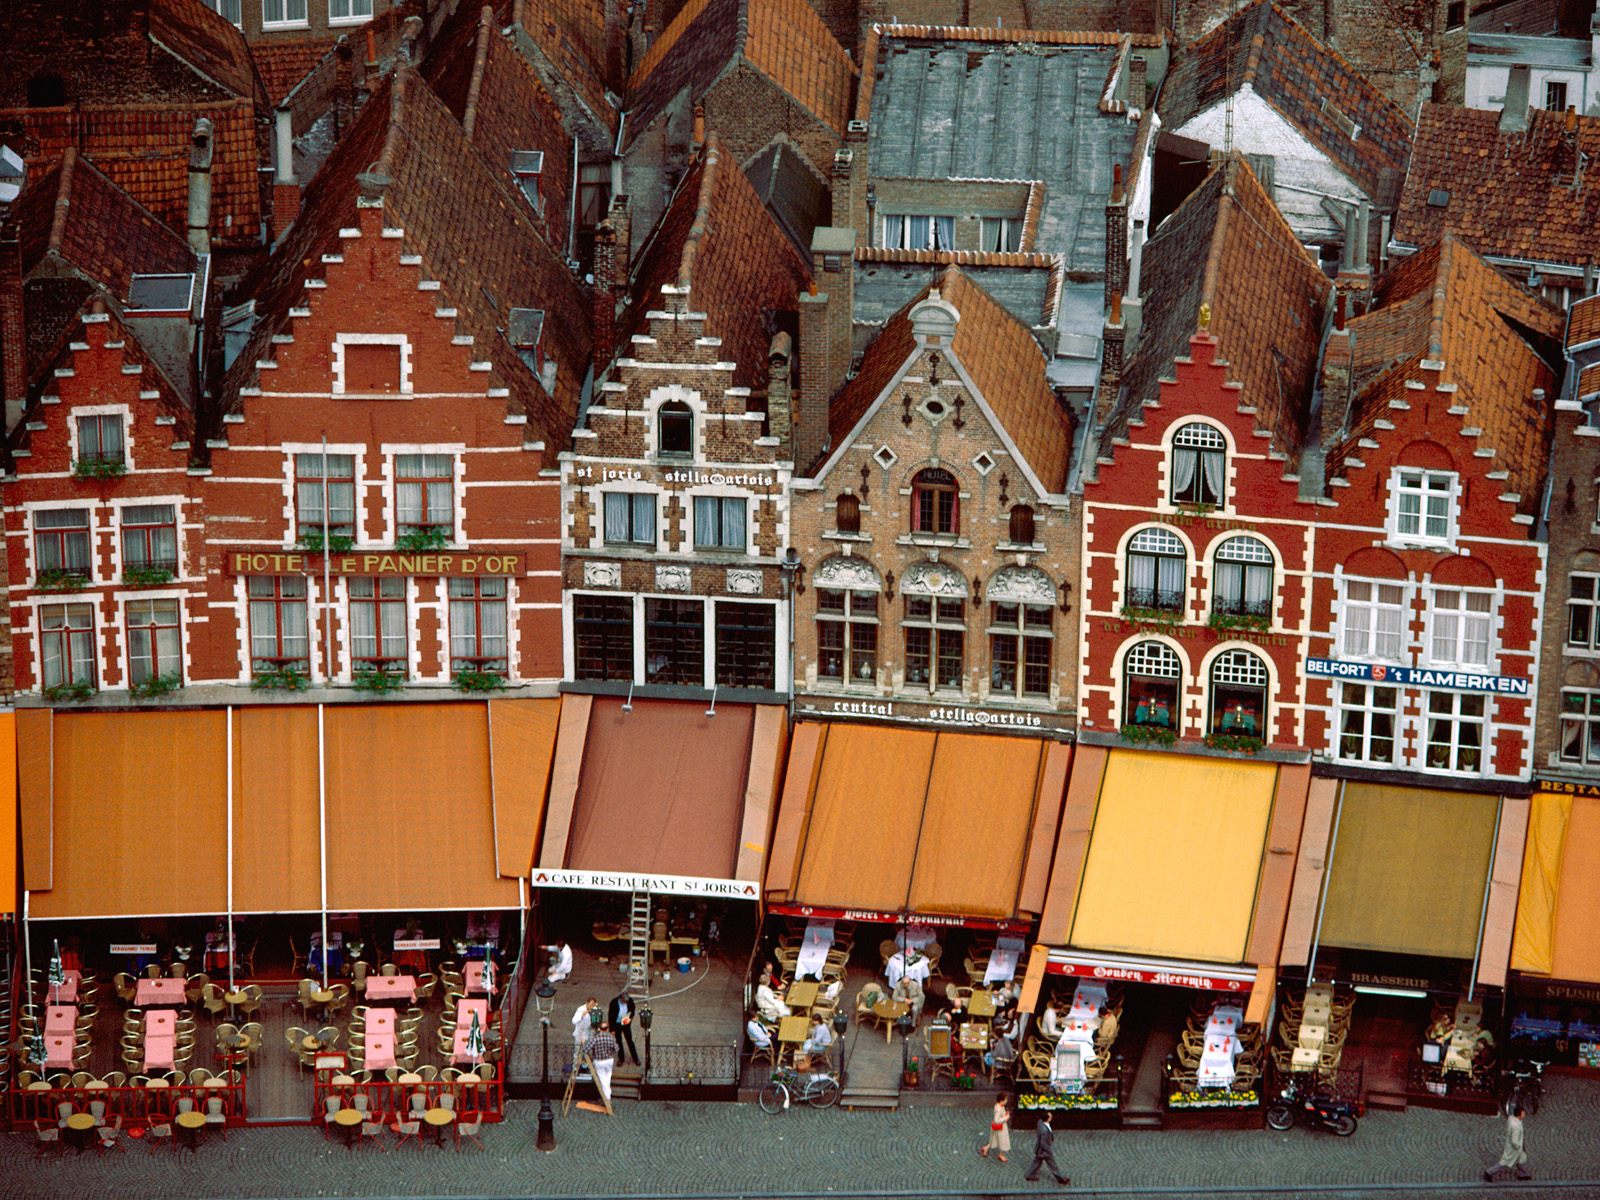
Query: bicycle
x=1525, y=1085
x=786, y=1087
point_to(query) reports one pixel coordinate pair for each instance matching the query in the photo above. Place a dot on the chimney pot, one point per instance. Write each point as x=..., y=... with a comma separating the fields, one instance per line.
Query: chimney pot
x=200, y=151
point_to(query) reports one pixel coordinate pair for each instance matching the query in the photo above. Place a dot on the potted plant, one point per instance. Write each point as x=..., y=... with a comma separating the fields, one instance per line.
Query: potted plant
x=913, y=1072
x=964, y=1081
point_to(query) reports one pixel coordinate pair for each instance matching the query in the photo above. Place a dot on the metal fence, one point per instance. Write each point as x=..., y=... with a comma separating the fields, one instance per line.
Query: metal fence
x=674, y=1065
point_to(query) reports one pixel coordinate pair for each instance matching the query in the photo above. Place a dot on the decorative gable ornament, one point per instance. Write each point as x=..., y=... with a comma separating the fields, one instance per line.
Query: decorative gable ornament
x=933, y=579
x=1021, y=585
x=838, y=571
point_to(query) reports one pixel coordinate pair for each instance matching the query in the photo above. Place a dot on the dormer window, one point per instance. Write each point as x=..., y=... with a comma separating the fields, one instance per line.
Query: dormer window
x=1199, y=465
x=351, y=11
x=1000, y=235
x=675, y=430
x=525, y=332
x=526, y=168
x=283, y=13
x=1422, y=506
x=100, y=440
x=918, y=232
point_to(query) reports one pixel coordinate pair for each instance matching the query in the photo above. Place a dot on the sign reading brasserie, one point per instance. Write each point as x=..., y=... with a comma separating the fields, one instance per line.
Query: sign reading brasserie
x=374, y=562
x=628, y=881
x=1454, y=681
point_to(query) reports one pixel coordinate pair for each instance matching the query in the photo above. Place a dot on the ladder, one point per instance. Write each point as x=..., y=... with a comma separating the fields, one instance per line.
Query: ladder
x=581, y=1058
x=639, y=946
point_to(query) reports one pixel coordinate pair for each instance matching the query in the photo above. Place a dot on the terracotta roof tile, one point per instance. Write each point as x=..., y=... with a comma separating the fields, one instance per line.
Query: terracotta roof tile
x=1227, y=246
x=718, y=240
x=1496, y=341
x=789, y=42
x=207, y=42
x=1589, y=382
x=1309, y=84
x=572, y=37
x=1508, y=194
x=1583, y=322
x=284, y=64
x=1002, y=359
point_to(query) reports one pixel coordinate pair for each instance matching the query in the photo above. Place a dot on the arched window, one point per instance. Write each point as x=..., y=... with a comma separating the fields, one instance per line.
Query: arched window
x=847, y=513
x=675, y=429
x=1199, y=456
x=1151, y=677
x=935, y=504
x=1243, y=582
x=1157, y=565
x=1239, y=694
x=1021, y=531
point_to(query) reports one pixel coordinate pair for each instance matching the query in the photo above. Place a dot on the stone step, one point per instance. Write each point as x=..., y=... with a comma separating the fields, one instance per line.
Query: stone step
x=1393, y=1101
x=885, y=1103
x=1141, y=1119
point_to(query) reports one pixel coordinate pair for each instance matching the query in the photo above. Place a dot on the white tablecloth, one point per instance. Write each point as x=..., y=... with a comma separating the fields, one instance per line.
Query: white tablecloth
x=1216, y=1064
x=897, y=967
x=1002, y=966
x=916, y=937
x=813, y=956
x=1222, y=1024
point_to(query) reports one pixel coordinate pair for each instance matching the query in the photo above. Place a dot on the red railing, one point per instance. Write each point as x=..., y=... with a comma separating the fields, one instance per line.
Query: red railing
x=138, y=1107
x=389, y=1101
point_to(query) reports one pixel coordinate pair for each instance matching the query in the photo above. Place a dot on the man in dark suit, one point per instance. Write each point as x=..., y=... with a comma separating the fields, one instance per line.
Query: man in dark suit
x=619, y=1015
x=1044, y=1152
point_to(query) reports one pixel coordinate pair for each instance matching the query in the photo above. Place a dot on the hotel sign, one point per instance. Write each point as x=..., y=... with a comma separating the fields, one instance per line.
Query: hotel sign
x=1453, y=681
x=376, y=562
x=628, y=881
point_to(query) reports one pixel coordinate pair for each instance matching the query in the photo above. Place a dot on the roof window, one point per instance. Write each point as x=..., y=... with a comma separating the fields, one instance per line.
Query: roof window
x=526, y=168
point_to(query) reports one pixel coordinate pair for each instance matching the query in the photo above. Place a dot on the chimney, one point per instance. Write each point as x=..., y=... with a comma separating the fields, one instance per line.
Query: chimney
x=616, y=34
x=285, y=188
x=833, y=269
x=611, y=240
x=780, y=400
x=697, y=135
x=852, y=208
x=13, y=327
x=411, y=41
x=200, y=187
x=1137, y=87
x=344, y=87
x=809, y=408
x=1116, y=237
x=1335, y=380
x=1514, y=110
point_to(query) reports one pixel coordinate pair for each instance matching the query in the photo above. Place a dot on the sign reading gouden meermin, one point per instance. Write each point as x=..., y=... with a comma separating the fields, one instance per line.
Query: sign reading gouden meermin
x=376, y=562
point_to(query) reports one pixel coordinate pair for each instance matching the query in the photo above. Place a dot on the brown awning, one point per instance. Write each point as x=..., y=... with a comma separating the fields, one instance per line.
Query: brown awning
x=1072, y=843
x=35, y=783
x=1505, y=875
x=767, y=742
x=522, y=741
x=277, y=860
x=1305, y=895
x=410, y=821
x=907, y=820
x=140, y=811
x=1277, y=867
x=662, y=788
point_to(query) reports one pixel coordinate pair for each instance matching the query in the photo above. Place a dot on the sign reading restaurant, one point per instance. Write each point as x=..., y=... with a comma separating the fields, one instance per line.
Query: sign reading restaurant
x=376, y=562
x=1453, y=681
x=944, y=715
x=629, y=881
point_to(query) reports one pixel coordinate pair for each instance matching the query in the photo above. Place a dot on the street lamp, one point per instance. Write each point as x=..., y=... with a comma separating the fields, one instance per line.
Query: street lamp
x=906, y=1024
x=545, y=998
x=646, y=1019
x=841, y=1022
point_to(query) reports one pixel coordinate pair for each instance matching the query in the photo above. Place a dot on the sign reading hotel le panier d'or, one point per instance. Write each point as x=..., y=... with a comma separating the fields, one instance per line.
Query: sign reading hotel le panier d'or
x=1421, y=677
x=375, y=562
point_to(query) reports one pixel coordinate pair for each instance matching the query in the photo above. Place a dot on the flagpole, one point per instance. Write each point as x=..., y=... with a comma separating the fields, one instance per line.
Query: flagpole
x=327, y=604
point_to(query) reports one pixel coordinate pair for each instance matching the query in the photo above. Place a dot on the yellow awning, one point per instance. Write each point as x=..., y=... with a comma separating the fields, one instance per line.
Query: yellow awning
x=1408, y=870
x=1533, y=948
x=1175, y=857
x=1557, y=932
x=1577, y=931
x=277, y=849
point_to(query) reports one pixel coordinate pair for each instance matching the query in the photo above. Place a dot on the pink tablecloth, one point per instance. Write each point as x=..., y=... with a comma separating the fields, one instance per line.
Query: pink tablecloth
x=67, y=993
x=58, y=1050
x=160, y=1024
x=474, y=976
x=157, y=1053
x=464, y=1011
x=380, y=1051
x=60, y=1018
x=382, y=989
x=380, y=1020
x=151, y=992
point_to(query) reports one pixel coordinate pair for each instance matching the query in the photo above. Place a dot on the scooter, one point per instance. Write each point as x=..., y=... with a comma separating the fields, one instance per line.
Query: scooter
x=1325, y=1112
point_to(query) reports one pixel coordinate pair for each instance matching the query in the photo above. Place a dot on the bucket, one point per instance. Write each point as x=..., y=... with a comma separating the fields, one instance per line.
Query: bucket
x=684, y=966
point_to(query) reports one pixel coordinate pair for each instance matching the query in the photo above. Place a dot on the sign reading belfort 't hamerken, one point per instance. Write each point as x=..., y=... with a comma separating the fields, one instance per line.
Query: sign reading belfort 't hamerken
x=1424, y=677
x=375, y=562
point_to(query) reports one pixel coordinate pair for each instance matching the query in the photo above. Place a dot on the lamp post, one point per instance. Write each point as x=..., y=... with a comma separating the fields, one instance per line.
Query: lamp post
x=905, y=1022
x=646, y=1019
x=841, y=1022
x=545, y=997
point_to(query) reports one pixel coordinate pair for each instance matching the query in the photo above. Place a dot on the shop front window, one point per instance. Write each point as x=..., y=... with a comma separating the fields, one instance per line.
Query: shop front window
x=1151, y=675
x=1020, y=649
x=1455, y=732
x=1367, y=723
x=1156, y=568
x=847, y=635
x=935, y=632
x=602, y=635
x=746, y=638
x=1239, y=694
x=478, y=627
x=674, y=642
x=1580, y=727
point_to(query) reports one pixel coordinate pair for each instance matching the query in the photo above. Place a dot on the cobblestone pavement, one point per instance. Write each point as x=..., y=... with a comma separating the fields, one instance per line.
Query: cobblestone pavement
x=702, y=1149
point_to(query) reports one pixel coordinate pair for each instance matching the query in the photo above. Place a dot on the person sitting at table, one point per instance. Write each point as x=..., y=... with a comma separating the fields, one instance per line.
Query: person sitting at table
x=830, y=991
x=768, y=968
x=767, y=1002
x=760, y=1036
x=1050, y=1023
x=910, y=991
x=820, y=1038
x=1107, y=1033
x=560, y=962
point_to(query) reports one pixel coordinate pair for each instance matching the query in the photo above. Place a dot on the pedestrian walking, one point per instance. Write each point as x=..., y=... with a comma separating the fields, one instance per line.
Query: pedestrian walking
x=602, y=1049
x=999, y=1130
x=1513, y=1155
x=620, y=1012
x=1044, y=1152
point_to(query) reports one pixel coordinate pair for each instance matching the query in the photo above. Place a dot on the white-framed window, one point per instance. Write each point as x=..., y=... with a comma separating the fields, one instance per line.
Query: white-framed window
x=61, y=552
x=630, y=519
x=935, y=633
x=349, y=11
x=150, y=537
x=1199, y=464
x=1455, y=732
x=847, y=635
x=283, y=12
x=1367, y=722
x=1000, y=235
x=1583, y=611
x=425, y=494
x=909, y=231
x=1157, y=566
x=1151, y=679
x=229, y=9
x=1555, y=95
x=719, y=523
x=100, y=441
x=1580, y=727
x=1460, y=621
x=333, y=476
x=1422, y=506
x=675, y=430
x=1020, y=648
x=378, y=625
x=478, y=629
x=1239, y=682
x=1373, y=619
x=155, y=640
x=280, y=632
x=1243, y=581
x=66, y=645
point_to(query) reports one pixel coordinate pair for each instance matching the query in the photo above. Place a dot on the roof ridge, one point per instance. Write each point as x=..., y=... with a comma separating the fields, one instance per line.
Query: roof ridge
x=1441, y=297
x=702, y=212
x=993, y=33
x=58, y=222
x=970, y=258
x=480, y=60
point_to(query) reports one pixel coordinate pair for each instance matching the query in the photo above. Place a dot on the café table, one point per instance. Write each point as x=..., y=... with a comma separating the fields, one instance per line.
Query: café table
x=437, y=1119
x=1216, y=1062
x=474, y=977
x=190, y=1125
x=349, y=1122
x=1458, y=1054
x=890, y=1011
x=66, y=992
x=1082, y=1033
x=234, y=999
x=391, y=989
x=1312, y=1036
x=1324, y=990
x=1221, y=1024
x=812, y=956
x=464, y=1011
x=380, y=1020
x=981, y=1004
x=380, y=1051
x=973, y=1037
x=80, y=1128
x=1320, y=1011
x=897, y=968
x=158, y=1053
x=1002, y=966
x=1304, y=1059
x=160, y=1022
x=156, y=993
x=60, y=1018
x=802, y=994
x=58, y=1049
x=1083, y=1008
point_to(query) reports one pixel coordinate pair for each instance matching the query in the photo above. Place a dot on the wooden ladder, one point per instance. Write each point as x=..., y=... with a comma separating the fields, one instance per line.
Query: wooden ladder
x=582, y=1058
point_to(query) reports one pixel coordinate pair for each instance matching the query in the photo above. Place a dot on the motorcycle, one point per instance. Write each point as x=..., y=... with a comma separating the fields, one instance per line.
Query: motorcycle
x=1322, y=1111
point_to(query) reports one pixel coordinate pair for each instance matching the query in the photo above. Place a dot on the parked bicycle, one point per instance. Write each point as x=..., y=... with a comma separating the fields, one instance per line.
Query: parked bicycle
x=786, y=1087
x=1524, y=1084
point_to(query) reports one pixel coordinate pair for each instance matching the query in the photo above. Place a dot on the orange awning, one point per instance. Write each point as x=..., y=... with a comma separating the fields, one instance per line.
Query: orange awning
x=276, y=835
x=35, y=783
x=410, y=821
x=140, y=815
x=522, y=741
x=8, y=812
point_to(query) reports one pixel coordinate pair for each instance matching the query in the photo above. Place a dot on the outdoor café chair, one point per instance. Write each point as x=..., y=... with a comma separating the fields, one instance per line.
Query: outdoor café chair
x=63, y=1111
x=195, y=986
x=81, y=1079
x=429, y=1073
x=158, y=1132
x=250, y=1006
x=153, y=971
x=469, y=1130
x=97, y=1110
x=211, y=996
x=47, y=1136
x=419, y=1102
x=332, y=1104
x=371, y=1131
x=390, y=969
x=215, y=1115
x=406, y=1129
x=111, y=1136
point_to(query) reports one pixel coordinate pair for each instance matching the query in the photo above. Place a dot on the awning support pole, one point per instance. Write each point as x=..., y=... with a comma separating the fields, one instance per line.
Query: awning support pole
x=27, y=950
x=231, y=981
x=1483, y=911
x=1322, y=895
x=322, y=836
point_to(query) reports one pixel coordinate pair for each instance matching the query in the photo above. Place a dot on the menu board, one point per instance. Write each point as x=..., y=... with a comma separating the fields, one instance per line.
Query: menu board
x=1589, y=1054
